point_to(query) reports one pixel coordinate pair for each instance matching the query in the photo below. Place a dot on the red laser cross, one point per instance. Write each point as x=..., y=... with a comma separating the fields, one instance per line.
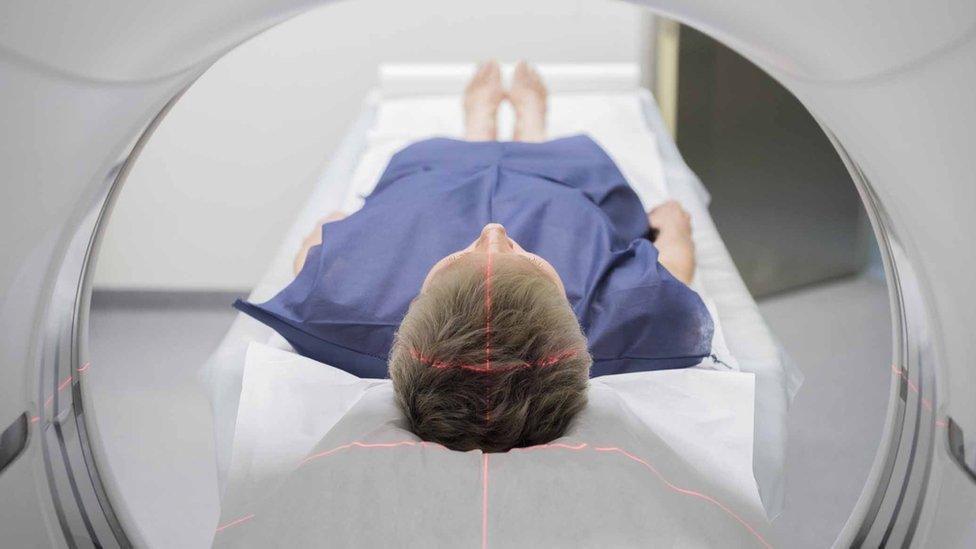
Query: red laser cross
x=582, y=446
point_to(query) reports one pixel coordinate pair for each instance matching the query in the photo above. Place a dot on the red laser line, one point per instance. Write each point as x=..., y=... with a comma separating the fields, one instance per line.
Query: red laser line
x=488, y=312
x=553, y=359
x=553, y=446
x=687, y=492
x=488, y=337
x=542, y=363
x=358, y=444
x=484, y=501
x=926, y=403
x=355, y=444
x=245, y=518
x=65, y=383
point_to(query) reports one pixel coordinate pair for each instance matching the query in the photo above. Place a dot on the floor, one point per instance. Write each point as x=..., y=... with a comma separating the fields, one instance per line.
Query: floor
x=149, y=405
x=839, y=334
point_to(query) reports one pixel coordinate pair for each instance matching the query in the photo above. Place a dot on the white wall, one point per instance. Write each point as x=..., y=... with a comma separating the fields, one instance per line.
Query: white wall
x=216, y=187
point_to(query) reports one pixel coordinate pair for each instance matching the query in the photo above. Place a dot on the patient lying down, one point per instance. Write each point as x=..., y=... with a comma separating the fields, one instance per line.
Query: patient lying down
x=490, y=280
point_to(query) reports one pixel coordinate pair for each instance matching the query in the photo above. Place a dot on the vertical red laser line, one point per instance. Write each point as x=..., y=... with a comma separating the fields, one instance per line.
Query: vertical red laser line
x=488, y=337
x=553, y=446
x=488, y=313
x=484, y=501
x=484, y=457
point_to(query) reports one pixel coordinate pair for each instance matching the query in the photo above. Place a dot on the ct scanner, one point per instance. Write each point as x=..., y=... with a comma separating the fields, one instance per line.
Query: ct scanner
x=83, y=85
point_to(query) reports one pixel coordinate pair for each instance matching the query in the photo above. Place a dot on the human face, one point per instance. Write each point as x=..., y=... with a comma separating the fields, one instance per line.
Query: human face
x=494, y=244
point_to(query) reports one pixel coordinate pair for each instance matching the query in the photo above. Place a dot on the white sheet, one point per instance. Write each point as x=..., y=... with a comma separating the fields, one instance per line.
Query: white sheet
x=629, y=127
x=288, y=403
x=691, y=427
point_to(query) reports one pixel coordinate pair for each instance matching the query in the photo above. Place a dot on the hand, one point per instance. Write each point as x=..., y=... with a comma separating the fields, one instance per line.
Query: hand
x=314, y=238
x=671, y=218
x=676, y=249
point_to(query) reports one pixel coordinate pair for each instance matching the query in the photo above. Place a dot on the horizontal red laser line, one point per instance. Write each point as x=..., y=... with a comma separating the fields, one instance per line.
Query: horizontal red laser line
x=926, y=403
x=550, y=360
x=542, y=363
x=553, y=446
x=358, y=444
x=243, y=519
x=687, y=492
x=65, y=383
x=61, y=386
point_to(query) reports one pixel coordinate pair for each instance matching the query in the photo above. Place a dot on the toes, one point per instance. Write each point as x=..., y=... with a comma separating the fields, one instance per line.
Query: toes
x=520, y=73
x=525, y=74
x=533, y=74
x=481, y=70
x=494, y=71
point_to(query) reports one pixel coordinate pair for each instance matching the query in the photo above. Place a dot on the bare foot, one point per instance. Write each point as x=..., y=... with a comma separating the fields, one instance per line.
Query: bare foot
x=481, y=99
x=528, y=96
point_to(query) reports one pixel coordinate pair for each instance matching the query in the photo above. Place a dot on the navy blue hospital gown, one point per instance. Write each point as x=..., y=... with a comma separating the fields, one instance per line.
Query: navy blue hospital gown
x=564, y=200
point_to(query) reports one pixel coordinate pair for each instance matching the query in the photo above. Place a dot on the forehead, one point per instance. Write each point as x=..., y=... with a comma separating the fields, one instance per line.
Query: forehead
x=480, y=261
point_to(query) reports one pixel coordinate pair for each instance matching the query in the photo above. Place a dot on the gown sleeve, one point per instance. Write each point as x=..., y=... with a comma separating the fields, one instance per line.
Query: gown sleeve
x=642, y=318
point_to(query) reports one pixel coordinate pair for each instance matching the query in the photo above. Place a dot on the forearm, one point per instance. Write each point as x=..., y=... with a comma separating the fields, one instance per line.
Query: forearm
x=313, y=239
x=301, y=255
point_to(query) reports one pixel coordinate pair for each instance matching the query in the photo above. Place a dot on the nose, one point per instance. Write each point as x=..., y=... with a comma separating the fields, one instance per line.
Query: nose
x=494, y=239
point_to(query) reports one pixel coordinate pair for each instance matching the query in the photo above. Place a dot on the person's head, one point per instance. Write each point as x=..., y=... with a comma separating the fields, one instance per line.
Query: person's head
x=490, y=354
